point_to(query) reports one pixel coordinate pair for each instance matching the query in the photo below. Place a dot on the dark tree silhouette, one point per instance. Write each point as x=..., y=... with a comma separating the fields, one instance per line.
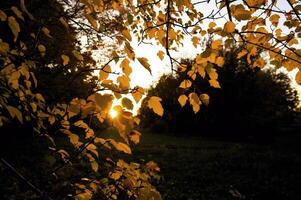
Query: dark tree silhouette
x=250, y=102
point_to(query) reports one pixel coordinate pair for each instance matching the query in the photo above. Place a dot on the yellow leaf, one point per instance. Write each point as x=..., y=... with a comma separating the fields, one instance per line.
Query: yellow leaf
x=194, y=102
x=137, y=94
x=259, y=63
x=74, y=139
x=274, y=19
x=240, y=13
x=126, y=33
x=195, y=41
x=124, y=82
x=94, y=166
x=17, y=12
x=212, y=24
x=172, y=34
x=4, y=47
x=200, y=60
x=135, y=136
x=185, y=84
x=92, y=21
x=42, y=49
x=73, y=110
x=14, y=26
x=229, y=27
x=78, y=55
x=3, y=16
x=14, y=112
x=220, y=61
x=65, y=59
x=126, y=68
x=182, y=100
x=116, y=175
x=298, y=77
x=212, y=58
x=46, y=32
x=104, y=72
x=40, y=97
x=242, y=53
x=205, y=99
x=216, y=44
x=123, y=147
x=144, y=62
x=201, y=71
x=214, y=83
x=293, y=41
x=104, y=102
x=152, y=32
x=63, y=22
x=160, y=54
x=155, y=104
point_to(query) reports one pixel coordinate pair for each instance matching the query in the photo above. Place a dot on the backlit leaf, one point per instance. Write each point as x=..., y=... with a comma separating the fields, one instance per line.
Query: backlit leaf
x=92, y=21
x=135, y=136
x=126, y=33
x=123, y=148
x=14, y=26
x=127, y=103
x=229, y=27
x=14, y=112
x=220, y=61
x=63, y=22
x=3, y=16
x=214, y=83
x=155, y=104
x=182, y=100
x=78, y=55
x=205, y=99
x=126, y=68
x=216, y=44
x=46, y=32
x=195, y=41
x=116, y=175
x=194, y=102
x=65, y=59
x=185, y=84
x=42, y=49
x=144, y=62
x=104, y=73
x=160, y=54
x=137, y=94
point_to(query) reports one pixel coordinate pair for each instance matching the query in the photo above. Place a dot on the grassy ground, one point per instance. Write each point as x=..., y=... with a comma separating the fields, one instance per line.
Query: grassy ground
x=196, y=168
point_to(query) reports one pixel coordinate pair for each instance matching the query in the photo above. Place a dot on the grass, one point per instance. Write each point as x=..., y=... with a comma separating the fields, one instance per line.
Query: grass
x=198, y=168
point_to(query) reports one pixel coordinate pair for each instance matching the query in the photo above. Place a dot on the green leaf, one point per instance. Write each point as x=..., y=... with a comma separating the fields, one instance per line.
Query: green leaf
x=127, y=103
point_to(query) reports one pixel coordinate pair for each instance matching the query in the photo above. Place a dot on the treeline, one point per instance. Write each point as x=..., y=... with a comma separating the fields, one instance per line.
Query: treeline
x=250, y=102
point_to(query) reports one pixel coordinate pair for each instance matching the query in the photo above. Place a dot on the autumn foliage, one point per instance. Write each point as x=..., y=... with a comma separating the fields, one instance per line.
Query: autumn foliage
x=44, y=59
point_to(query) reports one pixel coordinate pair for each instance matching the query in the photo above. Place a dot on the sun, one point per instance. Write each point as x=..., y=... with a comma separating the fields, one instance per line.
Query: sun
x=113, y=113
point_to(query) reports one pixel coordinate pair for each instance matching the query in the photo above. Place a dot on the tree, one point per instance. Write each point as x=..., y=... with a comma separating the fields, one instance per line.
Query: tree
x=256, y=25
x=42, y=70
x=250, y=101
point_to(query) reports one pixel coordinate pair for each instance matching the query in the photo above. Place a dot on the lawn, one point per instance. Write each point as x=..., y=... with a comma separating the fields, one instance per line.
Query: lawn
x=198, y=168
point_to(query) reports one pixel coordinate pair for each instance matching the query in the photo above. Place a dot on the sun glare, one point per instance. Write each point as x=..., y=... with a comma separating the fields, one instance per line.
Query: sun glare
x=113, y=113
